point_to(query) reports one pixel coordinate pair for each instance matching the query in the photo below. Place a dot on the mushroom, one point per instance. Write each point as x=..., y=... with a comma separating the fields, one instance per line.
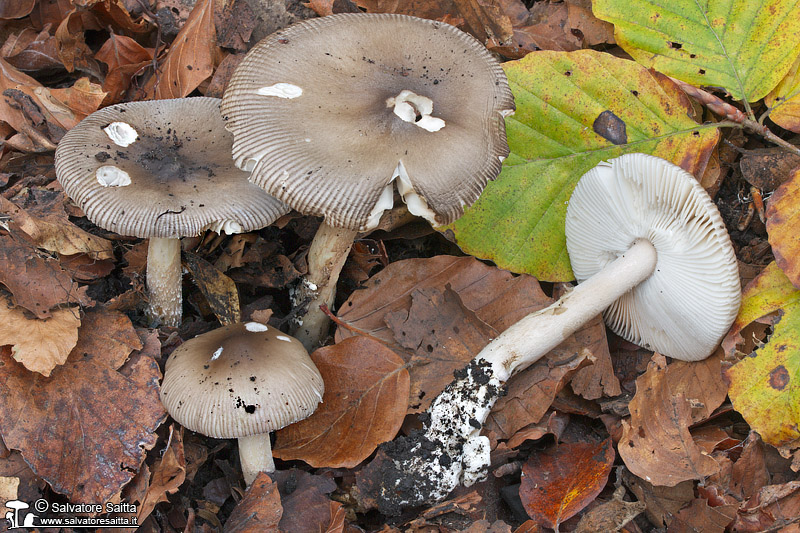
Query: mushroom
x=650, y=248
x=241, y=381
x=161, y=170
x=332, y=112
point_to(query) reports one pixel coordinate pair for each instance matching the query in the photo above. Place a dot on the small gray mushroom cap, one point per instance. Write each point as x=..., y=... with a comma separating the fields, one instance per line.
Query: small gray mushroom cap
x=182, y=177
x=690, y=301
x=259, y=382
x=323, y=137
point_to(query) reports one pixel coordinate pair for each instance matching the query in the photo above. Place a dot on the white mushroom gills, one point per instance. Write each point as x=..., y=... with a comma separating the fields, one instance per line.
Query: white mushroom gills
x=111, y=176
x=229, y=227
x=121, y=133
x=416, y=109
x=281, y=90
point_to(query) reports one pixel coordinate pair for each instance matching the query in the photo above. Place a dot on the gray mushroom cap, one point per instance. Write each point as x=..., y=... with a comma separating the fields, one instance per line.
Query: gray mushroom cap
x=324, y=115
x=691, y=299
x=161, y=168
x=240, y=380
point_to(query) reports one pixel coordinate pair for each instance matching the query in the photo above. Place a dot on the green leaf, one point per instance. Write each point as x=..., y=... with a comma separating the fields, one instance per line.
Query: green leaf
x=765, y=386
x=745, y=46
x=518, y=222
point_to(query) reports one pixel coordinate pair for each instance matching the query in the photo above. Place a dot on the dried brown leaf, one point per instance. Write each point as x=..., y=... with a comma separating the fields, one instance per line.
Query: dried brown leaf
x=86, y=428
x=663, y=503
x=557, y=485
x=259, y=511
x=32, y=51
x=365, y=401
x=218, y=289
x=699, y=516
x=15, y=9
x=656, y=445
x=37, y=282
x=304, y=496
x=40, y=345
x=771, y=505
x=71, y=45
x=191, y=57
x=168, y=474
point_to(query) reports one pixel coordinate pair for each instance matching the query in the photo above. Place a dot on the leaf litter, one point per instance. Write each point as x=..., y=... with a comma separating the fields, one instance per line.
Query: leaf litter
x=692, y=459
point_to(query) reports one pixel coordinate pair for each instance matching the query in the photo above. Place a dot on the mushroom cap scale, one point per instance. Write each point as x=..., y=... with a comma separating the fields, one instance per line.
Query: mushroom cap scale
x=691, y=299
x=173, y=180
x=233, y=382
x=331, y=150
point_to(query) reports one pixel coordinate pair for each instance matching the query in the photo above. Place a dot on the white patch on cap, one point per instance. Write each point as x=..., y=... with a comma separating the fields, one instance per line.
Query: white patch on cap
x=416, y=109
x=216, y=354
x=111, y=176
x=283, y=338
x=230, y=227
x=416, y=204
x=255, y=327
x=281, y=90
x=121, y=133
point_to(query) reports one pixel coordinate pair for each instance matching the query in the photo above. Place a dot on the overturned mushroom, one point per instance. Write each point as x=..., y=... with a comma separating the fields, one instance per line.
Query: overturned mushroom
x=650, y=248
x=331, y=113
x=241, y=381
x=161, y=170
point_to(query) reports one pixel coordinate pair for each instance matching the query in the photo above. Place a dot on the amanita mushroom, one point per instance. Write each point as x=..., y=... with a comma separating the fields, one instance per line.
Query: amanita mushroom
x=161, y=170
x=650, y=248
x=241, y=382
x=330, y=113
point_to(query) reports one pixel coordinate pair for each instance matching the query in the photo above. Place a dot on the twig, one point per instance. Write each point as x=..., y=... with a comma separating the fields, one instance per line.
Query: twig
x=734, y=115
x=339, y=322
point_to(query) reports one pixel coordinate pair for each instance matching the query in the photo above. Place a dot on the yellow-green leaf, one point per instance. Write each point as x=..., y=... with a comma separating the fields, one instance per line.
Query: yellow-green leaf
x=745, y=46
x=783, y=227
x=765, y=386
x=570, y=107
x=784, y=100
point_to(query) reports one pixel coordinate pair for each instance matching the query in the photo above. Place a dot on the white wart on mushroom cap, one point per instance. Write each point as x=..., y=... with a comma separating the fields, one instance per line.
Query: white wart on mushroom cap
x=240, y=380
x=329, y=112
x=160, y=168
x=688, y=303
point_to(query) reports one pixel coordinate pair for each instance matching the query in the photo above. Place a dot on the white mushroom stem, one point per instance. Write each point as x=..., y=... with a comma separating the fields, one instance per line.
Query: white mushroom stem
x=326, y=257
x=164, y=281
x=255, y=454
x=460, y=454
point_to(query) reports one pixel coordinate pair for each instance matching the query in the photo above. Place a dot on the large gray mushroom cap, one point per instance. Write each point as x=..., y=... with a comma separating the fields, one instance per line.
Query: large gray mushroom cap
x=328, y=112
x=240, y=380
x=161, y=168
x=691, y=299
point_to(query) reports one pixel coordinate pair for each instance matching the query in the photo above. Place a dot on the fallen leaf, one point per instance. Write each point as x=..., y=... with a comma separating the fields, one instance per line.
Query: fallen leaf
x=551, y=150
x=656, y=445
x=556, y=486
x=191, y=57
x=82, y=99
x=443, y=336
x=259, y=511
x=39, y=344
x=784, y=100
x=766, y=169
x=57, y=236
x=234, y=21
x=71, y=45
x=764, y=386
x=772, y=505
x=611, y=515
x=689, y=41
x=125, y=58
x=15, y=9
x=662, y=503
x=32, y=51
x=305, y=501
x=38, y=283
x=87, y=427
x=364, y=404
x=699, y=516
x=749, y=473
x=168, y=475
x=218, y=289
x=783, y=226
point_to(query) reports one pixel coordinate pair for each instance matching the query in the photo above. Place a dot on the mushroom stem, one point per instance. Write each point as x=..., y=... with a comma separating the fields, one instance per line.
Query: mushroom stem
x=255, y=454
x=326, y=257
x=528, y=340
x=455, y=452
x=164, y=281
